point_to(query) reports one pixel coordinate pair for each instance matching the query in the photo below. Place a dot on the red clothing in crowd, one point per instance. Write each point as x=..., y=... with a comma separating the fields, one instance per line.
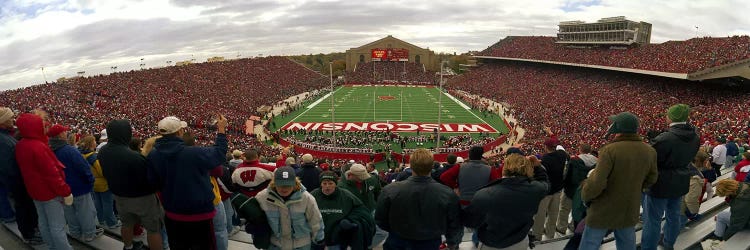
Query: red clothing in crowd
x=42, y=172
x=252, y=177
x=741, y=169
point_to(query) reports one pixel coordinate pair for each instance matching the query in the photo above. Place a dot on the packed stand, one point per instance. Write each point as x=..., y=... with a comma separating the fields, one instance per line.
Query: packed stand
x=551, y=95
x=390, y=72
x=673, y=56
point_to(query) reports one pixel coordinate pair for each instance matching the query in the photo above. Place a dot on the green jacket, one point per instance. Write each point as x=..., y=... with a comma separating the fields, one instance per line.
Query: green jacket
x=739, y=207
x=626, y=167
x=334, y=207
x=368, y=194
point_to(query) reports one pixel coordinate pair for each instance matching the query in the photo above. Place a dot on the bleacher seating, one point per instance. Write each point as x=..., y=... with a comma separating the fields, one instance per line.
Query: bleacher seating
x=391, y=72
x=673, y=56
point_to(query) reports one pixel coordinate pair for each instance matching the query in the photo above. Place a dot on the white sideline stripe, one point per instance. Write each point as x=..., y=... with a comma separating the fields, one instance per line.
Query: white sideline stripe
x=309, y=107
x=456, y=100
x=467, y=108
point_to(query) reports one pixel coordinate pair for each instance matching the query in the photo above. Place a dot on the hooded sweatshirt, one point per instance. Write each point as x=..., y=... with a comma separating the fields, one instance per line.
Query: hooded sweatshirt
x=42, y=173
x=675, y=149
x=77, y=169
x=181, y=173
x=124, y=169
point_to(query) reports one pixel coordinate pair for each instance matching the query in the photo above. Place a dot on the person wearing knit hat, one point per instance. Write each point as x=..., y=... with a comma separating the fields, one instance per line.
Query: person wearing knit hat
x=6, y=115
x=309, y=173
x=675, y=150
x=285, y=201
x=614, y=187
x=343, y=213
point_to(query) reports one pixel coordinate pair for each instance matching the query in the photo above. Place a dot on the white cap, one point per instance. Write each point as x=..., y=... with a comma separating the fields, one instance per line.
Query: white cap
x=459, y=159
x=103, y=134
x=170, y=125
x=559, y=147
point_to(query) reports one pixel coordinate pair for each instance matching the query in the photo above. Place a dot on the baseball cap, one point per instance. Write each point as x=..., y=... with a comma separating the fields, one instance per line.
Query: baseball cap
x=56, y=130
x=359, y=171
x=284, y=176
x=170, y=125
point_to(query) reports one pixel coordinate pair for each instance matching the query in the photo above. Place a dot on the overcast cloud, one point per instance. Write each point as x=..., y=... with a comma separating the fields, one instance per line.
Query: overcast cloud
x=68, y=36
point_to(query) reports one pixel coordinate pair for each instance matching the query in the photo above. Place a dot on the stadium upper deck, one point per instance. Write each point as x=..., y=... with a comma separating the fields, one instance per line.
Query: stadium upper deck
x=678, y=59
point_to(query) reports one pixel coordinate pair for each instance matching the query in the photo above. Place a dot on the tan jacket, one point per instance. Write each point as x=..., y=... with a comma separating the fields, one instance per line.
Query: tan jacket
x=626, y=167
x=692, y=200
x=296, y=223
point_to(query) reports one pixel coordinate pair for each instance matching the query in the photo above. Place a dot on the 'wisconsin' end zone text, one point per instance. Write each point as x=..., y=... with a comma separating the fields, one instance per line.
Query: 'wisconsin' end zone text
x=392, y=126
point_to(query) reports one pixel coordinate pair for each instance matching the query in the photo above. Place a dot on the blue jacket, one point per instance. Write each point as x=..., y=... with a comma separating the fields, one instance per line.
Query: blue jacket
x=181, y=174
x=77, y=170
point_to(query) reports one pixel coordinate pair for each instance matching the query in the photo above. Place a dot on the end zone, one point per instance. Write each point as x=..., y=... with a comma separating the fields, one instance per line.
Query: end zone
x=392, y=126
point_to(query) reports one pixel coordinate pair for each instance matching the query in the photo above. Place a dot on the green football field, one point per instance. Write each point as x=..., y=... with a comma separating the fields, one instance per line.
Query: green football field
x=392, y=104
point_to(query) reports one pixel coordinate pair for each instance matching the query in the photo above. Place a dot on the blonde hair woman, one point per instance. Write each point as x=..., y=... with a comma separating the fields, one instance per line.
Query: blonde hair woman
x=292, y=213
x=737, y=217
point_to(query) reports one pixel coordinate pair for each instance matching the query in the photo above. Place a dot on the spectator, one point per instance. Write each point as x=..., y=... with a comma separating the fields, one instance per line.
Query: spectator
x=691, y=202
x=44, y=179
x=367, y=189
x=505, y=223
x=309, y=174
x=468, y=178
x=742, y=167
x=102, y=139
x=578, y=167
x=418, y=210
x=286, y=200
x=127, y=178
x=626, y=166
x=80, y=216
x=732, y=152
x=251, y=176
x=348, y=223
x=553, y=161
x=719, y=155
x=737, y=217
x=187, y=194
x=675, y=149
x=11, y=180
x=236, y=158
x=103, y=200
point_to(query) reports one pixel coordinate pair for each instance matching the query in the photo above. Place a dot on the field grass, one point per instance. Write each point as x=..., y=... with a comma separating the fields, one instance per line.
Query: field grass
x=392, y=104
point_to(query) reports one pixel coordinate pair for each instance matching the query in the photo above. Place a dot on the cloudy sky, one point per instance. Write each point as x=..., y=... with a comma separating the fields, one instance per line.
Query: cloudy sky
x=68, y=36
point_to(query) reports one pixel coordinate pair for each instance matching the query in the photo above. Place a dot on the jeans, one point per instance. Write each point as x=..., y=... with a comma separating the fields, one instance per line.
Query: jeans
x=722, y=222
x=6, y=212
x=220, y=228
x=164, y=238
x=229, y=210
x=653, y=210
x=80, y=216
x=52, y=223
x=592, y=238
x=105, y=212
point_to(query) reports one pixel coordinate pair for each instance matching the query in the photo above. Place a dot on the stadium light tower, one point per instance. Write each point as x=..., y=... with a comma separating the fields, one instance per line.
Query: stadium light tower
x=440, y=105
x=333, y=108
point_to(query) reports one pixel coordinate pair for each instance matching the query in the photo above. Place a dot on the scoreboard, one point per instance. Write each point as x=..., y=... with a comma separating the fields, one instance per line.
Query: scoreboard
x=397, y=55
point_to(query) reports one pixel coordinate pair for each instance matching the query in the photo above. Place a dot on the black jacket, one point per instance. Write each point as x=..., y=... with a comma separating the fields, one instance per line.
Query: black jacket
x=503, y=212
x=675, y=149
x=419, y=208
x=9, y=171
x=576, y=172
x=554, y=163
x=309, y=175
x=124, y=169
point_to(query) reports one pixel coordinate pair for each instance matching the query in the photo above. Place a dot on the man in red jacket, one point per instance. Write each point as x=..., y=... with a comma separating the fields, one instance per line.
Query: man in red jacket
x=45, y=180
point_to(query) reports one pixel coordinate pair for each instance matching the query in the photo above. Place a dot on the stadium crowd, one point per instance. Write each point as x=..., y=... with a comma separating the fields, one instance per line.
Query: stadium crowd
x=235, y=88
x=552, y=96
x=390, y=72
x=673, y=56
